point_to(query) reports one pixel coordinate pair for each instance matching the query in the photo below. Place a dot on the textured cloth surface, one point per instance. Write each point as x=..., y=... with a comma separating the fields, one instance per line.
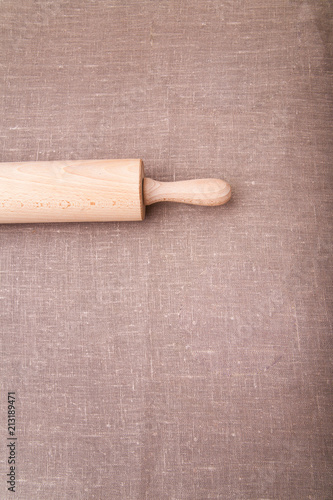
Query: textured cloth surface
x=185, y=357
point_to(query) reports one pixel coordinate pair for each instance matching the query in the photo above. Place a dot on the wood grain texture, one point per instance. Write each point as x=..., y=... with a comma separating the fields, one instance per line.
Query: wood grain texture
x=93, y=190
x=207, y=192
x=71, y=191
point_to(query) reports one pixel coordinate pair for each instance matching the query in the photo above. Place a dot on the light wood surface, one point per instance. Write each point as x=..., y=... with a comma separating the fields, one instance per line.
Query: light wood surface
x=71, y=191
x=93, y=190
x=209, y=192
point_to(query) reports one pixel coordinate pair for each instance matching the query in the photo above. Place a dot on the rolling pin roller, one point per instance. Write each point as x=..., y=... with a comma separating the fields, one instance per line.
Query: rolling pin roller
x=93, y=190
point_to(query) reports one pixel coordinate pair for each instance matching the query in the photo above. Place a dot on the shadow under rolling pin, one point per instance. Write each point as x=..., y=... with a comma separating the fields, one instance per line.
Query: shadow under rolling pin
x=93, y=190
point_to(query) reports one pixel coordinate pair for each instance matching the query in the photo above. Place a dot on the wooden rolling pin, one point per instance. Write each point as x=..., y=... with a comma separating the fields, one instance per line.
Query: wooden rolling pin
x=93, y=190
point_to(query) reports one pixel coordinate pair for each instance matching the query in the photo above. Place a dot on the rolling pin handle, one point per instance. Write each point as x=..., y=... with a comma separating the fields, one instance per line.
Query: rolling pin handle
x=208, y=192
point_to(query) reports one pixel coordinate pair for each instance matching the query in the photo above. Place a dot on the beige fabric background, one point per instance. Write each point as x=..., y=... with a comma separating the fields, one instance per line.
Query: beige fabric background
x=186, y=357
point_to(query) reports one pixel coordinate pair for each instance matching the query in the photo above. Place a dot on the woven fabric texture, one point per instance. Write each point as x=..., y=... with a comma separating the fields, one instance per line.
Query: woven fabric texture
x=185, y=357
